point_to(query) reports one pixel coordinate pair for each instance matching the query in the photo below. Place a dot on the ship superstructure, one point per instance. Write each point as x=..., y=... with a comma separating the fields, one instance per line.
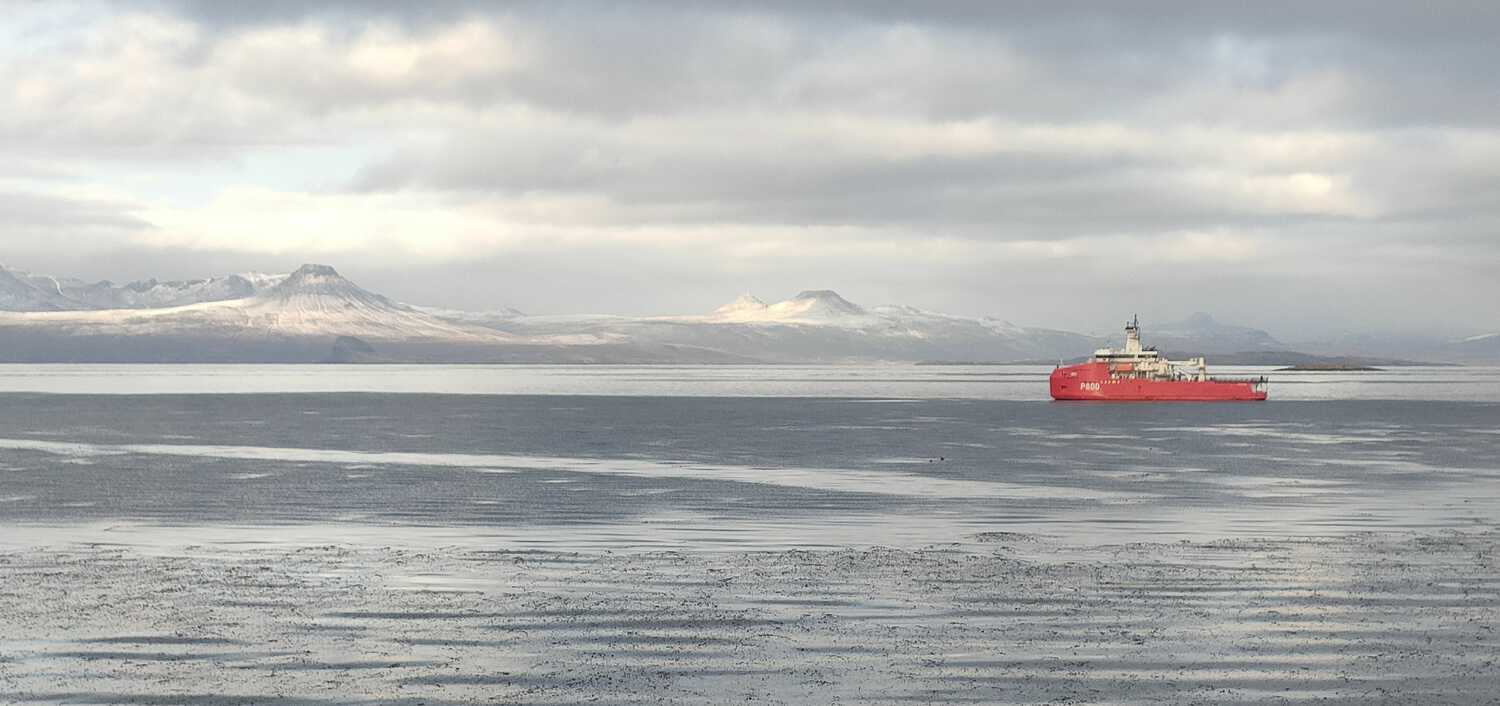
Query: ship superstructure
x=1136, y=372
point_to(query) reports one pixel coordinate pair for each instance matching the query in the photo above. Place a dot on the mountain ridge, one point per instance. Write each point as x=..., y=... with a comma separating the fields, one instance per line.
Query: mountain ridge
x=302, y=315
x=24, y=291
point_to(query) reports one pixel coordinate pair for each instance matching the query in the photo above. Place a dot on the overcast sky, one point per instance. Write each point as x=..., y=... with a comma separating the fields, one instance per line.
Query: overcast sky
x=1304, y=167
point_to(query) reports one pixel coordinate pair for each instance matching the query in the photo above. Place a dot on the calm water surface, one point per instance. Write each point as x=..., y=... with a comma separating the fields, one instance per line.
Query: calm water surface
x=723, y=456
x=1004, y=382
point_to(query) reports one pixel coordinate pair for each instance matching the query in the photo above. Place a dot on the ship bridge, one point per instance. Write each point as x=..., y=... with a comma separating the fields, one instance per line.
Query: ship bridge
x=1133, y=351
x=1137, y=362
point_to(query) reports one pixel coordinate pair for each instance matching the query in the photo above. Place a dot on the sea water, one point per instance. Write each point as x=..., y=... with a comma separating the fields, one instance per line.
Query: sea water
x=714, y=457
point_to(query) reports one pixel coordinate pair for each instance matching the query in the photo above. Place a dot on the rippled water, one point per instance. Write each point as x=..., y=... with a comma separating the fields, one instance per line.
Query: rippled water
x=712, y=457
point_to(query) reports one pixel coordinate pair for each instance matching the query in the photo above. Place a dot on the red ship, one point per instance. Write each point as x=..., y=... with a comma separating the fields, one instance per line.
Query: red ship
x=1142, y=374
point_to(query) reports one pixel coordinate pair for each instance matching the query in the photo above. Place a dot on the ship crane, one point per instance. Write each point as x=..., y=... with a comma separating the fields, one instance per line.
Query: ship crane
x=1192, y=368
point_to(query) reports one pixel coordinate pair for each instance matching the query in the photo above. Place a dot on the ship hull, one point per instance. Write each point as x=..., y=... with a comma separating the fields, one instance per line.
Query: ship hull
x=1094, y=382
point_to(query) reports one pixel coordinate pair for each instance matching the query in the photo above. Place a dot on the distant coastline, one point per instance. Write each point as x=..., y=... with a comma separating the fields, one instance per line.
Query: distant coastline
x=1329, y=368
x=1286, y=360
x=315, y=315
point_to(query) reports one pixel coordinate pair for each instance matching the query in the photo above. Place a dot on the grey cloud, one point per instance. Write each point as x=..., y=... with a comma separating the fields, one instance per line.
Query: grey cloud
x=675, y=114
x=1015, y=195
x=47, y=233
x=122, y=263
x=34, y=213
x=1440, y=18
x=1371, y=66
x=231, y=15
x=1043, y=61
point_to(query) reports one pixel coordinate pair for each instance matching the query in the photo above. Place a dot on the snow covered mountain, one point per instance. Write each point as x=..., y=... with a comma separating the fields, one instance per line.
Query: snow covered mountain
x=152, y=294
x=479, y=317
x=1484, y=348
x=312, y=301
x=23, y=291
x=312, y=314
x=816, y=326
x=1200, y=333
x=316, y=301
x=821, y=306
x=315, y=314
